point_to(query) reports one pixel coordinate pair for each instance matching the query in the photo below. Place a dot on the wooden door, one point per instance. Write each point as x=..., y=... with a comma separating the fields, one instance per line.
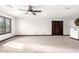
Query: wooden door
x=57, y=27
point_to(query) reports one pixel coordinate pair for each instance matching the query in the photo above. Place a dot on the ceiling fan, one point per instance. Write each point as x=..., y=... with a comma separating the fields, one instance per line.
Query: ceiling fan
x=30, y=9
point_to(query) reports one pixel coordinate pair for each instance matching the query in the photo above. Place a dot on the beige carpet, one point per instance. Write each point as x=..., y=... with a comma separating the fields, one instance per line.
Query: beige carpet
x=39, y=44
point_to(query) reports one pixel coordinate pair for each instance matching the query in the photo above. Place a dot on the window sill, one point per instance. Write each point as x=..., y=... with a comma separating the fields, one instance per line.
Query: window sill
x=5, y=33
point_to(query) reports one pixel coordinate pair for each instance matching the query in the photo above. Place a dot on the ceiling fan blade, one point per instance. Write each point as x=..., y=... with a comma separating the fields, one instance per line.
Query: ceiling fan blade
x=9, y=6
x=30, y=7
x=37, y=11
x=33, y=13
x=22, y=9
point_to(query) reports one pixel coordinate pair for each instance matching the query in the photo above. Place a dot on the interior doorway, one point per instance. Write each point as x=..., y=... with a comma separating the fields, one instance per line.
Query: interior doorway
x=57, y=27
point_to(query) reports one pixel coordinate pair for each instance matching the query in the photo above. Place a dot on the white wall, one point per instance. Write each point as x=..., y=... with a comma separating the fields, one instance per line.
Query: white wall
x=40, y=25
x=4, y=36
x=33, y=26
x=68, y=23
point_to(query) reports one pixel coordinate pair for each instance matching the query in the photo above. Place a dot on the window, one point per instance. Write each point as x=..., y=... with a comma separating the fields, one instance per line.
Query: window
x=1, y=25
x=5, y=25
x=8, y=25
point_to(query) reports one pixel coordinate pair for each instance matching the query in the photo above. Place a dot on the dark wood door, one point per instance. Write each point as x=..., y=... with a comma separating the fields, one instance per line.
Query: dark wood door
x=57, y=27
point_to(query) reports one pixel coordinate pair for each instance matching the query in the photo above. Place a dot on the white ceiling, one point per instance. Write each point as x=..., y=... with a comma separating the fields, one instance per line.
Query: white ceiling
x=55, y=11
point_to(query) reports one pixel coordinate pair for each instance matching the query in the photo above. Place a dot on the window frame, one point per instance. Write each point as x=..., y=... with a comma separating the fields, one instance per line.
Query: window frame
x=4, y=27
